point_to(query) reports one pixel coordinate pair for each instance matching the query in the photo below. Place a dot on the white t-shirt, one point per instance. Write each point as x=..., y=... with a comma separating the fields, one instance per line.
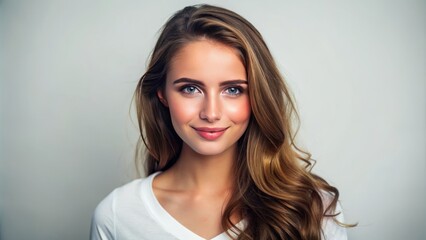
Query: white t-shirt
x=133, y=212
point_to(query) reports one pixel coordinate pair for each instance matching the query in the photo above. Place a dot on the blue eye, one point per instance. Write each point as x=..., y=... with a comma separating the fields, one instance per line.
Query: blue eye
x=189, y=89
x=233, y=91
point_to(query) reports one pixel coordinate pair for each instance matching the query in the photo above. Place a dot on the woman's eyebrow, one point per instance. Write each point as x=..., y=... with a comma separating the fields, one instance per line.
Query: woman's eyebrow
x=233, y=82
x=188, y=80
x=198, y=82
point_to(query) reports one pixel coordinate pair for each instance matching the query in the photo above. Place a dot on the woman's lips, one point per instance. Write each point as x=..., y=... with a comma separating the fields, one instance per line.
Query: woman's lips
x=210, y=133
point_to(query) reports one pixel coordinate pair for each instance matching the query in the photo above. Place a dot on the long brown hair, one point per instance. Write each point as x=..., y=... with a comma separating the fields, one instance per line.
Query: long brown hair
x=275, y=191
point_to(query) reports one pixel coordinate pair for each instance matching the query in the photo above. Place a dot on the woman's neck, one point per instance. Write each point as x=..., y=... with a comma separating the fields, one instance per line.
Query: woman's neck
x=203, y=173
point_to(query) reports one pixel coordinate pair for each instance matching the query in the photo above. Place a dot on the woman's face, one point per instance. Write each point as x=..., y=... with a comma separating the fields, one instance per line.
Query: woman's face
x=207, y=94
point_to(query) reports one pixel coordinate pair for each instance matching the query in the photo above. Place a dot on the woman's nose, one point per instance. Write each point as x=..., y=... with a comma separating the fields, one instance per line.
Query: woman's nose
x=211, y=110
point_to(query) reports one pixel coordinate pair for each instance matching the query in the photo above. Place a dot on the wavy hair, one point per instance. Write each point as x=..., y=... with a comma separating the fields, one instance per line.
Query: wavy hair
x=275, y=191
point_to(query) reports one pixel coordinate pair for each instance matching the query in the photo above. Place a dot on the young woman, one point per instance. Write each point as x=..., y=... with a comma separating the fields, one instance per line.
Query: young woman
x=215, y=117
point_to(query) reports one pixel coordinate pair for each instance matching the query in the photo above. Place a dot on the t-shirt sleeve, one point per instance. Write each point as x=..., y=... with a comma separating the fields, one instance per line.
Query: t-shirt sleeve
x=103, y=224
x=332, y=230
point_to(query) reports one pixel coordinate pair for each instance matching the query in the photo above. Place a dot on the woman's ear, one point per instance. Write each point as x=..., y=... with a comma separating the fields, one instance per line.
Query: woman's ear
x=160, y=96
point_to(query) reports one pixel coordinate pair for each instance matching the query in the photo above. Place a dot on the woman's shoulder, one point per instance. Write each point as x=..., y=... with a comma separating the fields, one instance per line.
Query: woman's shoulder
x=127, y=193
x=123, y=202
x=331, y=225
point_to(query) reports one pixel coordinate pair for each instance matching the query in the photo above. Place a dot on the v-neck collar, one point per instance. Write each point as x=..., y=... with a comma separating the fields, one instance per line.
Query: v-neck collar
x=167, y=221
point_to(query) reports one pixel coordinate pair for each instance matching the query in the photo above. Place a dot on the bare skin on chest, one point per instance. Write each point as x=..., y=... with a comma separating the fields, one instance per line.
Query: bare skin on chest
x=199, y=210
x=196, y=189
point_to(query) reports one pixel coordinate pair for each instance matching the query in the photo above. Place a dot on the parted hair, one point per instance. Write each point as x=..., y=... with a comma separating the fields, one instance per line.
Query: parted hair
x=275, y=190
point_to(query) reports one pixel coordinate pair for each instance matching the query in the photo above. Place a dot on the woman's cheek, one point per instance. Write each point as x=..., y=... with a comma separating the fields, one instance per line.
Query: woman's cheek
x=239, y=111
x=183, y=109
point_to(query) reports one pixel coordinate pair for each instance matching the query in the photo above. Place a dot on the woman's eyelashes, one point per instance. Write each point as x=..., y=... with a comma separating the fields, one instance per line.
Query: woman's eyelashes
x=189, y=89
x=192, y=90
x=234, y=91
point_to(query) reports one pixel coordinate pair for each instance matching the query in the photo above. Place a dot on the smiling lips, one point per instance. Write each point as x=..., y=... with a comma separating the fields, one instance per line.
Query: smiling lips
x=210, y=133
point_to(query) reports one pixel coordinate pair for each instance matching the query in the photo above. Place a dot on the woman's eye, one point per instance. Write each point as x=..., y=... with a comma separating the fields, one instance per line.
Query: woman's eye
x=233, y=91
x=189, y=90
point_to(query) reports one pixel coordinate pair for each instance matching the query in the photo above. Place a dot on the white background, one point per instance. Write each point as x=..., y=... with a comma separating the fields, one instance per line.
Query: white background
x=69, y=68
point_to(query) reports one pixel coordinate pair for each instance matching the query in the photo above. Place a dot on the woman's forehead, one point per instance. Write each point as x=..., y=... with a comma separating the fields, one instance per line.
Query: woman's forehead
x=206, y=59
